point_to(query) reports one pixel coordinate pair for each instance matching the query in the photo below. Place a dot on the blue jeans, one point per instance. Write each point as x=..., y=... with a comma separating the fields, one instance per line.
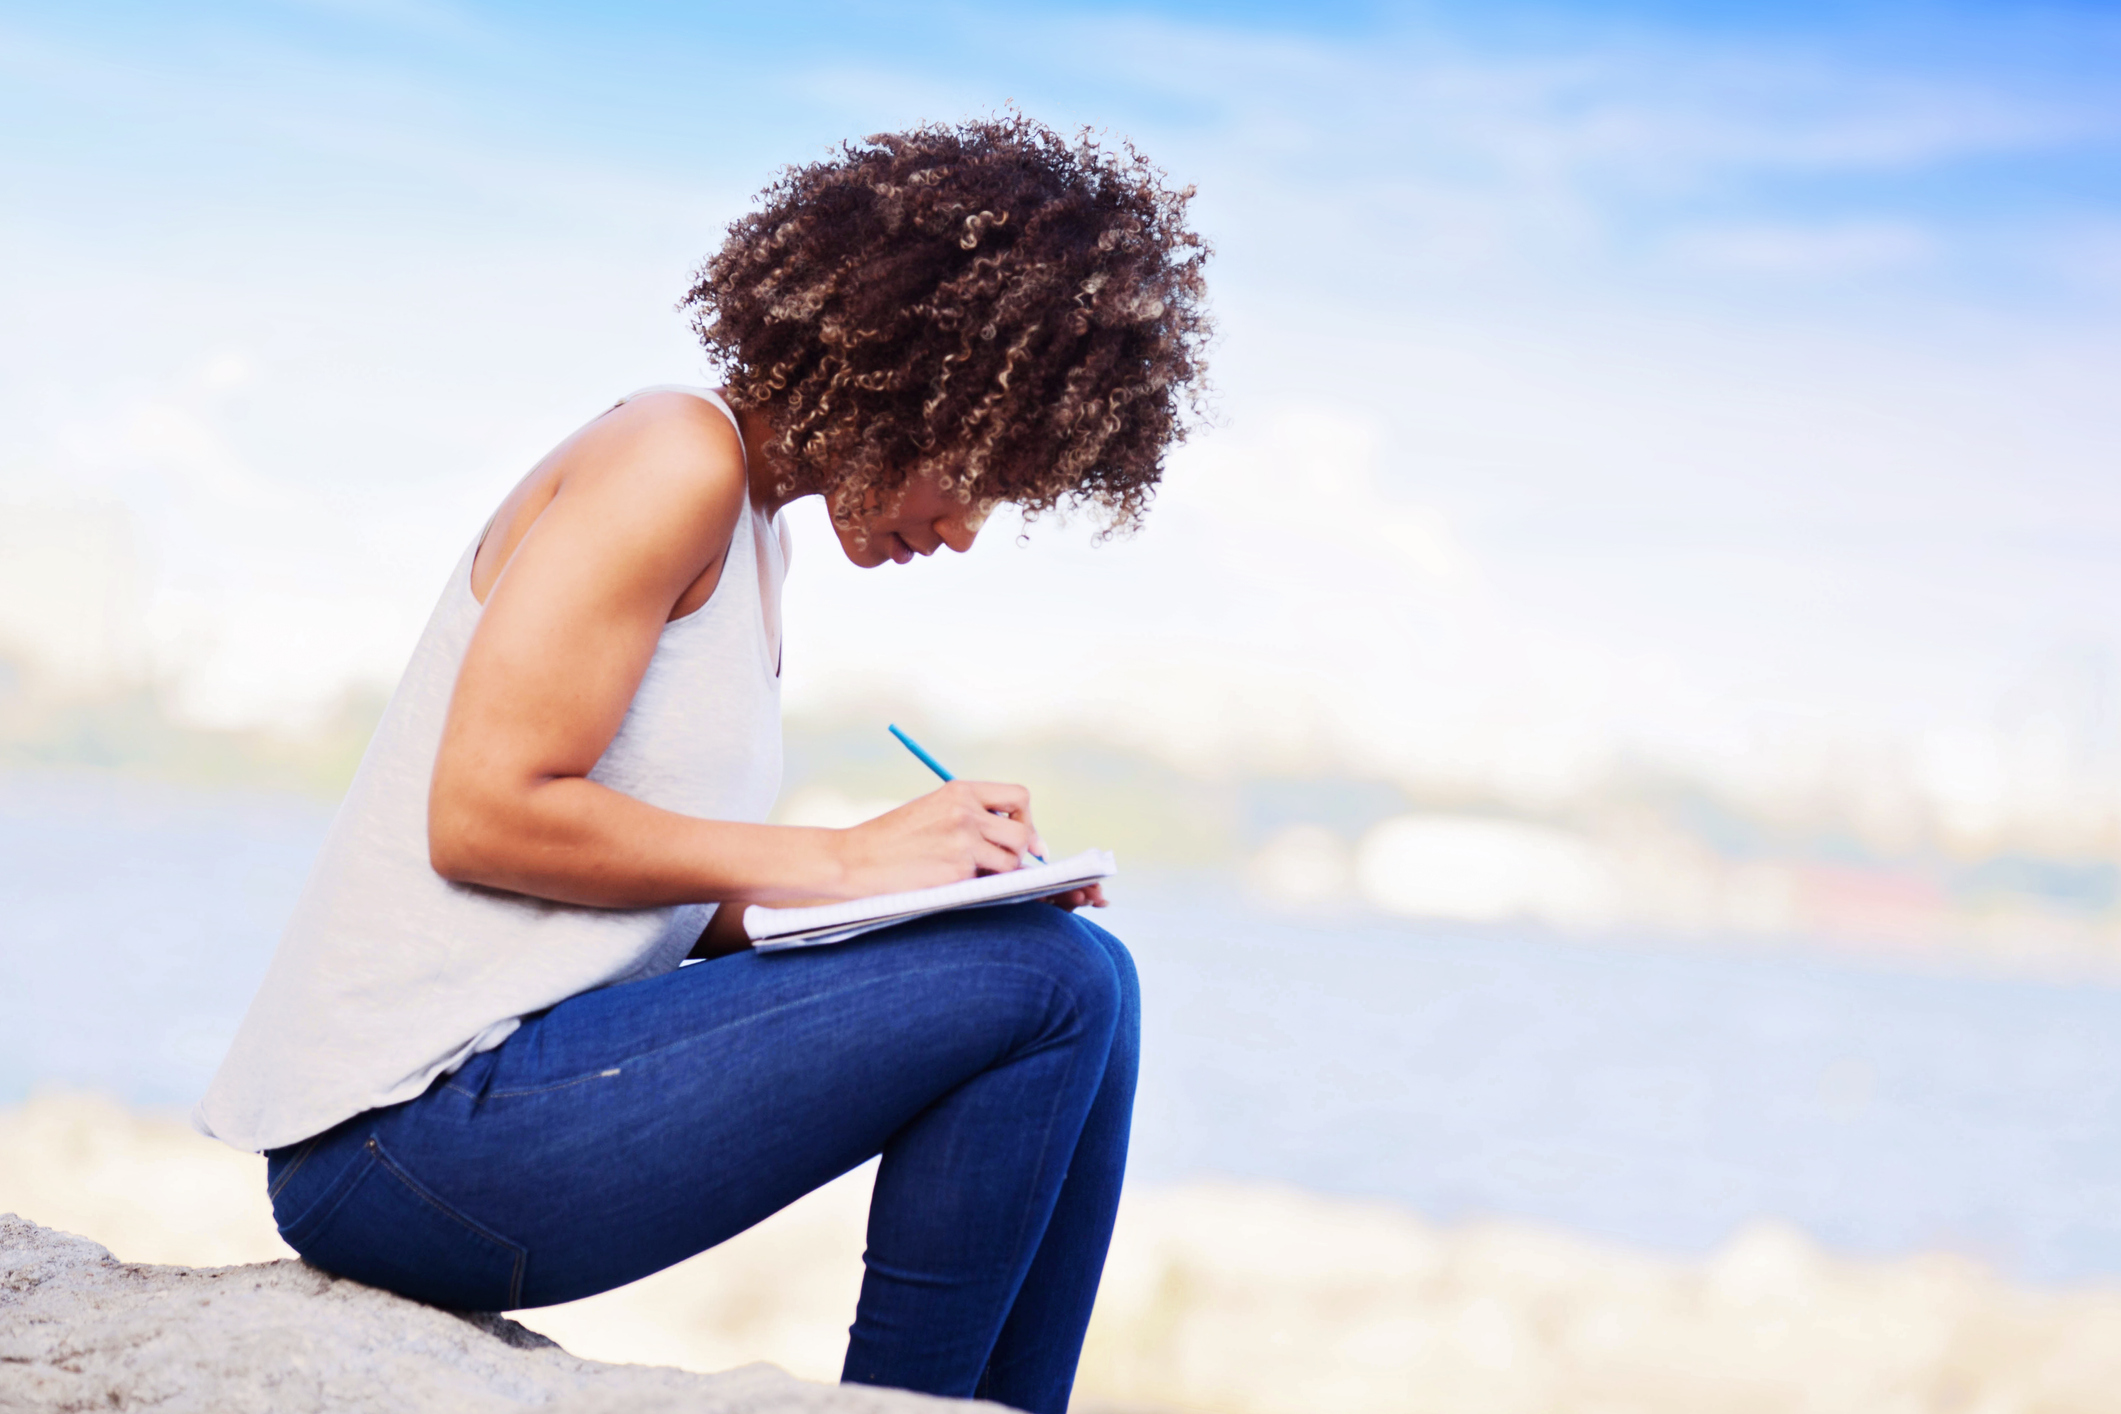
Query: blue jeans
x=988, y=1055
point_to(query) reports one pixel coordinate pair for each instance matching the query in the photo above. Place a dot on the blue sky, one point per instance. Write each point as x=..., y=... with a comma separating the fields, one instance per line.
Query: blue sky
x=1710, y=367
x=1988, y=128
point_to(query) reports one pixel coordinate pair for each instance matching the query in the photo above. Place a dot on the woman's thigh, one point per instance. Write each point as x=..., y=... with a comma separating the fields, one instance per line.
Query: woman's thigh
x=631, y=1127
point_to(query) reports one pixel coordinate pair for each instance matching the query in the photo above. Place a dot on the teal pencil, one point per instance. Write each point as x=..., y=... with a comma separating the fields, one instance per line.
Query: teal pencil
x=926, y=760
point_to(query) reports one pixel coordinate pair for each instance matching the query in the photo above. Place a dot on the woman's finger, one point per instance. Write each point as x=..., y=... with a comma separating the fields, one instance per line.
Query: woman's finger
x=1008, y=833
x=996, y=859
x=1012, y=801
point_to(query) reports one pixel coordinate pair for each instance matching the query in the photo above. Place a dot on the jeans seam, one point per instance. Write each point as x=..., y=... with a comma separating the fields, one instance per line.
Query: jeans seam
x=272, y=1194
x=752, y=1018
x=604, y=1074
x=419, y=1190
x=313, y=1220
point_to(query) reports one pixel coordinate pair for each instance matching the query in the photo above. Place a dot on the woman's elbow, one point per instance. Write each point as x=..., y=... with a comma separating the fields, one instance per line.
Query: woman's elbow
x=450, y=858
x=463, y=844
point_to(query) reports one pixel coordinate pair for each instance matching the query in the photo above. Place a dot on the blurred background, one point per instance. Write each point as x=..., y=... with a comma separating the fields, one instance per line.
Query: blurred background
x=1613, y=734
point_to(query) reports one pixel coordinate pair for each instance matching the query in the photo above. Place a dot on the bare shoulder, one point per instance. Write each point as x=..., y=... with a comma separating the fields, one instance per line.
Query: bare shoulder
x=659, y=479
x=656, y=483
x=669, y=439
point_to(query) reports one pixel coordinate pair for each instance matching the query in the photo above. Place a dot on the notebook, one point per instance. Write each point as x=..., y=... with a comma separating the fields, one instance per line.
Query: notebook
x=772, y=929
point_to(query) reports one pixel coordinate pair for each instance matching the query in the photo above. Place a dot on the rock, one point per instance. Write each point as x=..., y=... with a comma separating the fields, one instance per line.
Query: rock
x=1242, y=1299
x=80, y=1330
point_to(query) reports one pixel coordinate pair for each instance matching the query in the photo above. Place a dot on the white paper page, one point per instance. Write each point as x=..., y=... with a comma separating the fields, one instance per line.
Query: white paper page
x=771, y=928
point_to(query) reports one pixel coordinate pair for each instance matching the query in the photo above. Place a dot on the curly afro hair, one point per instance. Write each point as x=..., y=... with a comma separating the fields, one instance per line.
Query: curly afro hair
x=1022, y=315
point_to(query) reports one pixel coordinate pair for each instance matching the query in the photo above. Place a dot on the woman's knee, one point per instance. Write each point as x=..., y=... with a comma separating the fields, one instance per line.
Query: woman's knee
x=1116, y=951
x=1083, y=964
x=1107, y=958
x=1122, y=1050
x=1127, y=1026
x=1020, y=973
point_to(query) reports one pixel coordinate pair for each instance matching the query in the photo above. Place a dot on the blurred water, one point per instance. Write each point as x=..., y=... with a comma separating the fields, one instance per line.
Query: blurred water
x=135, y=921
x=1659, y=1097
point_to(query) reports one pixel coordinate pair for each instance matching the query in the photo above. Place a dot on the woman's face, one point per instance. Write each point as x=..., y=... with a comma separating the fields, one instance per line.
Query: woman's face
x=918, y=519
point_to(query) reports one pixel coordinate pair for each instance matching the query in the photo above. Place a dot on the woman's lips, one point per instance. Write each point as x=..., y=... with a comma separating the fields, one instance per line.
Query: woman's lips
x=901, y=552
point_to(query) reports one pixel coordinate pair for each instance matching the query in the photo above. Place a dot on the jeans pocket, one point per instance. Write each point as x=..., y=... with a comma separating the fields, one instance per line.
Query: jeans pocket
x=376, y=1223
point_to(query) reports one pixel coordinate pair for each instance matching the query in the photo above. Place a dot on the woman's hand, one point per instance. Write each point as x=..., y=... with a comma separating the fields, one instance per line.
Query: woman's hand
x=1090, y=895
x=951, y=834
x=961, y=830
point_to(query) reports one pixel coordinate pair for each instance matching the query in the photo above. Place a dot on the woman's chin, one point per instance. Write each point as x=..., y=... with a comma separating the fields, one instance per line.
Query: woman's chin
x=869, y=556
x=876, y=551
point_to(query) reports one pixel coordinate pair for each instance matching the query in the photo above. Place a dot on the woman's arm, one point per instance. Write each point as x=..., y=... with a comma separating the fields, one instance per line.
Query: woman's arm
x=646, y=502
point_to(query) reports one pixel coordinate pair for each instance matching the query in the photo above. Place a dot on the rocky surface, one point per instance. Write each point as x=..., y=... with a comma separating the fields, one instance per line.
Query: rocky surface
x=80, y=1330
x=1237, y=1300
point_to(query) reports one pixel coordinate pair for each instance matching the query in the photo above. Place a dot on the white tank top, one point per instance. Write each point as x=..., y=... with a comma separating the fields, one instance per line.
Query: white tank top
x=389, y=975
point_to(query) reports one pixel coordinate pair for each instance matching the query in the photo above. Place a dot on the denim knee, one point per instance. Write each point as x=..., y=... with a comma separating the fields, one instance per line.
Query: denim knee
x=1122, y=960
x=1084, y=962
x=1126, y=1029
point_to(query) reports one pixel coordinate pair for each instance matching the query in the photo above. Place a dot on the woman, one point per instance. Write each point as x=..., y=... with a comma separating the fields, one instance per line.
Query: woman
x=479, y=1073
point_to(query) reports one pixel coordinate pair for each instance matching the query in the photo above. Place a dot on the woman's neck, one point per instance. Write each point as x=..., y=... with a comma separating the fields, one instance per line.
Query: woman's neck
x=763, y=464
